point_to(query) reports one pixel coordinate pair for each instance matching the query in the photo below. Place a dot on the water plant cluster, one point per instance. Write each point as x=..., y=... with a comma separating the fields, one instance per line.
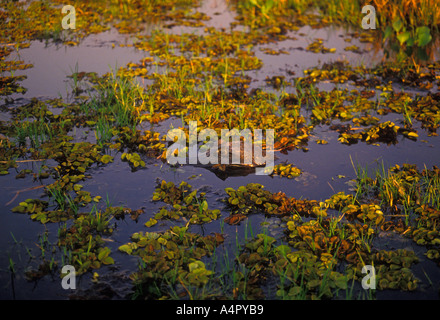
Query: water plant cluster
x=207, y=76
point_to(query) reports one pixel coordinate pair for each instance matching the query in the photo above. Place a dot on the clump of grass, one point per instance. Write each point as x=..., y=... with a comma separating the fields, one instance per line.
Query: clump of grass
x=400, y=189
x=118, y=97
x=103, y=131
x=37, y=132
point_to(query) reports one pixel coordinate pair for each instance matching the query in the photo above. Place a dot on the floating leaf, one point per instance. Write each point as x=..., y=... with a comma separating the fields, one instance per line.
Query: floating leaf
x=403, y=37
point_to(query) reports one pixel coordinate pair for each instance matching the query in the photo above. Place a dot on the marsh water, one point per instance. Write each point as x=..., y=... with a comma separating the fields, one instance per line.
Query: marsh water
x=327, y=169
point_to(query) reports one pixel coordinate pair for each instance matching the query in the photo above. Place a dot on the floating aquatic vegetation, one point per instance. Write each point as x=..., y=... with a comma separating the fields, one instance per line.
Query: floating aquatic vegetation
x=426, y=110
x=329, y=241
x=402, y=187
x=28, y=21
x=276, y=81
x=410, y=196
x=9, y=85
x=365, y=120
x=148, y=143
x=44, y=268
x=408, y=73
x=306, y=277
x=253, y=197
x=35, y=108
x=186, y=203
x=31, y=206
x=41, y=20
x=256, y=256
x=423, y=108
x=274, y=52
x=329, y=105
x=134, y=159
x=303, y=275
x=286, y=170
x=120, y=212
x=8, y=153
x=84, y=241
x=391, y=269
x=170, y=259
x=75, y=158
x=330, y=238
x=353, y=48
x=424, y=231
x=317, y=46
x=339, y=200
x=367, y=213
x=385, y=132
x=336, y=72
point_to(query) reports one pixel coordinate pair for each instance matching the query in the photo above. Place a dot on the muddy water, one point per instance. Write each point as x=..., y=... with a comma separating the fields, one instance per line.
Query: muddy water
x=327, y=168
